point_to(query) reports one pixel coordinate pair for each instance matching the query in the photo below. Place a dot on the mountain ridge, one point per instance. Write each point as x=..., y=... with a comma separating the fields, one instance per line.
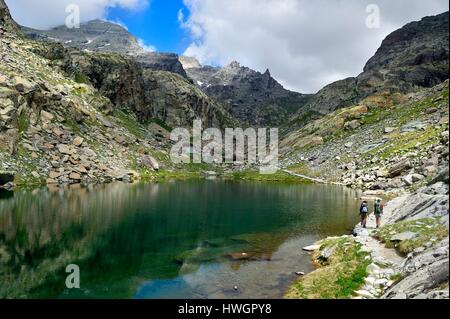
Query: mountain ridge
x=105, y=36
x=252, y=97
x=411, y=57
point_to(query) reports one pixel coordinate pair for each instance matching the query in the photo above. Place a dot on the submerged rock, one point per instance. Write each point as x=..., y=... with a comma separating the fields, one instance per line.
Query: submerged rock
x=6, y=177
x=239, y=256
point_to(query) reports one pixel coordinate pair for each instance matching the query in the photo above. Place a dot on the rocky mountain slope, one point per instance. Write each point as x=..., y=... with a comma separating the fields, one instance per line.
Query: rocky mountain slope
x=393, y=146
x=385, y=143
x=252, y=97
x=6, y=22
x=69, y=116
x=412, y=57
x=152, y=95
x=104, y=36
x=55, y=130
x=152, y=85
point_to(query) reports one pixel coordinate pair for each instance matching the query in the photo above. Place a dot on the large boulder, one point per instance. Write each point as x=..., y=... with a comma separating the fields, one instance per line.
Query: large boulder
x=149, y=162
x=400, y=167
x=351, y=125
x=317, y=140
x=423, y=275
x=416, y=206
x=442, y=176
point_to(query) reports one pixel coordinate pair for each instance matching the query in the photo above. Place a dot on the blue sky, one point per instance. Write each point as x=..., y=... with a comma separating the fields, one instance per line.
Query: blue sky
x=157, y=24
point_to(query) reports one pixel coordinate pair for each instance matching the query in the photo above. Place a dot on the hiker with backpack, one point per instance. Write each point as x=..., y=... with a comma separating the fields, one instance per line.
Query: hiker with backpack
x=378, y=211
x=363, y=212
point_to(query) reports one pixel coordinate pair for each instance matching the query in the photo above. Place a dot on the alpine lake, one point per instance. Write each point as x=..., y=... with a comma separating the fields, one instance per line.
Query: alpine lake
x=177, y=239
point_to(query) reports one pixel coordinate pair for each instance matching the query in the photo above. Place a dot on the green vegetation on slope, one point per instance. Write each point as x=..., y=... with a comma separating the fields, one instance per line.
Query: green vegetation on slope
x=427, y=230
x=279, y=176
x=338, y=276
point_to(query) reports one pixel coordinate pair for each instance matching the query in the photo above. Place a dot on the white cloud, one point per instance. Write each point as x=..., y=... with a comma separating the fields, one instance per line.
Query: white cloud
x=306, y=44
x=146, y=47
x=118, y=22
x=44, y=14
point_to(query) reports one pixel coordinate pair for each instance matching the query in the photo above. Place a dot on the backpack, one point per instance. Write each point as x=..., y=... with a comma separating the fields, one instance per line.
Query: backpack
x=378, y=208
x=364, y=209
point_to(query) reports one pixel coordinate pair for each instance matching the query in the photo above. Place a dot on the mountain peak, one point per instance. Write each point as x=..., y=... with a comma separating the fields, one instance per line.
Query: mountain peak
x=94, y=35
x=105, y=36
x=234, y=65
x=403, y=46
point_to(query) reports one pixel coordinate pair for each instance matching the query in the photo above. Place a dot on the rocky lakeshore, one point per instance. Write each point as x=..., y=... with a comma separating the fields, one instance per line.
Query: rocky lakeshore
x=407, y=258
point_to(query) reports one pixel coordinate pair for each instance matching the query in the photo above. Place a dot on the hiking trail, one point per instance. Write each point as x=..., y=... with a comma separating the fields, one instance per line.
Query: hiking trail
x=316, y=180
x=385, y=266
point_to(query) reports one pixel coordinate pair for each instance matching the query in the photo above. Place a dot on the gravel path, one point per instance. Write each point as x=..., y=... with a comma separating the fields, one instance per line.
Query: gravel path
x=386, y=263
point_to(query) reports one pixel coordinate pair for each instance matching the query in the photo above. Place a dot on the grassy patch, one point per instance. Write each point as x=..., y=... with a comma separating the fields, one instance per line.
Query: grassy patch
x=406, y=142
x=384, y=109
x=336, y=278
x=279, y=176
x=428, y=230
x=160, y=123
x=23, y=122
x=130, y=123
x=25, y=182
x=79, y=91
x=162, y=175
x=303, y=169
x=81, y=78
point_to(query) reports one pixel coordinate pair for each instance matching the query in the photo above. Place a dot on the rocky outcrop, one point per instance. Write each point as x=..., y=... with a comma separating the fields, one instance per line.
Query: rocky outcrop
x=252, y=97
x=151, y=95
x=425, y=272
x=417, y=44
x=175, y=101
x=55, y=130
x=158, y=61
x=189, y=62
x=6, y=22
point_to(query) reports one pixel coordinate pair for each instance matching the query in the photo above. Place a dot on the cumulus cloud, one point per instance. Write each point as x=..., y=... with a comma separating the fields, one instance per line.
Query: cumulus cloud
x=145, y=46
x=306, y=44
x=44, y=14
x=118, y=22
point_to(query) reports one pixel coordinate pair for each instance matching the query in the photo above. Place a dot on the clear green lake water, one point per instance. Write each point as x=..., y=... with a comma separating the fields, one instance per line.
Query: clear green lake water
x=190, y=239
